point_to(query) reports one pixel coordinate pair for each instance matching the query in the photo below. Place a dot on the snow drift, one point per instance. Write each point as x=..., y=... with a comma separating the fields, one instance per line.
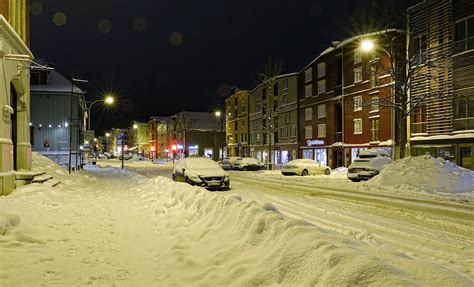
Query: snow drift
x=114, y=229
x=425, y=173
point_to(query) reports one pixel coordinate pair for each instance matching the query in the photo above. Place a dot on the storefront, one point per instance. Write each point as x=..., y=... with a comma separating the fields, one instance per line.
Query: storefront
x=315, y=150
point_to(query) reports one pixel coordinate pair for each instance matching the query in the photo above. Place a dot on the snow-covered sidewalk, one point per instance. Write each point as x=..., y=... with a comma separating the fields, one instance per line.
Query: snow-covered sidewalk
x=110, y=227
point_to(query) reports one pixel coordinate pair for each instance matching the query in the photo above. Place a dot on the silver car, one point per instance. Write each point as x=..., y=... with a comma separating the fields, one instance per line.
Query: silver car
x=304, y=167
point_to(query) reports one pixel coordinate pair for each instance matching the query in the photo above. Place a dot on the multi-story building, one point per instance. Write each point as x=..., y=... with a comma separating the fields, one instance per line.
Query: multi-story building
x=273, y=119
x=141, y=134
x=15, y=146
x=158, y=137
x=441, y=46
x=237, y=126
x=339, y=92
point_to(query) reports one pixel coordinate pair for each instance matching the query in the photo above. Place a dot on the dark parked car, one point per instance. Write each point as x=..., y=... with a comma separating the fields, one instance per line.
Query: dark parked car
x=201, y=171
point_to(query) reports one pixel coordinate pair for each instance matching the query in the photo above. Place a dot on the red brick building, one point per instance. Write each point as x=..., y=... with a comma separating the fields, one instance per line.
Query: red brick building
x=339, y=92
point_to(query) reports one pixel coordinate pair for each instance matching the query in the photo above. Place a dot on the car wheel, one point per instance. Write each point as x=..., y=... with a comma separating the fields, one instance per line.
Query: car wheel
x=304, y=172
x=173, y=177
x=355, y=180
x=327, y=171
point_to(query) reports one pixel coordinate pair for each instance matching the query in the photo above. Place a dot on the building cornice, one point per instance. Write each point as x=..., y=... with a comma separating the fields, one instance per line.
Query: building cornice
x=9, y=34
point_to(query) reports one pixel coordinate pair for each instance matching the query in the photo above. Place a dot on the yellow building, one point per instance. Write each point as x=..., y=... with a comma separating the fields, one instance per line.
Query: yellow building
x=237, y=124
x=15, y=147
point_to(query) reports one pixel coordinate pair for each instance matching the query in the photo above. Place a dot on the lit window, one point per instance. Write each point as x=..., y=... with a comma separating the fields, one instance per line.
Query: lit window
x=357, y=57
x=284, y=84
x=287, y=117
x=420, y=46
x=321, y=70
x=357, y=126
x=357, y=75
x=321, y=111
x=374, y=103
x=464, y=35
x=308, y=132
x=322, y=130
x=308, y=91
x=308, y=75
x=357, y=103
x=321, y=86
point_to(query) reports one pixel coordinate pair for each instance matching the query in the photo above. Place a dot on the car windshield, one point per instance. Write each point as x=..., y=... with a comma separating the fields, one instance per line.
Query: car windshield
x=367, y=155
x=201, y=163
x=361, y=160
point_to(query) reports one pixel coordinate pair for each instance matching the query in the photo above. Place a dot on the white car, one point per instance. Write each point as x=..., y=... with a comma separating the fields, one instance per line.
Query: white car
x=304, y=167
x=201, y=171
x=368, y=164
x=247, y=163
x=228, y=162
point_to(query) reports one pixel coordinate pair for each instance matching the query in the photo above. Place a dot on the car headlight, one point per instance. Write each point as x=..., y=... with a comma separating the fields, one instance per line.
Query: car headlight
x=194, y=177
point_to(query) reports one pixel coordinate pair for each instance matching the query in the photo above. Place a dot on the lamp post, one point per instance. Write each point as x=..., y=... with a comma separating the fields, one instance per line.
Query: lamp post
x=219, y=115
x=71, y=120
x=108, y=100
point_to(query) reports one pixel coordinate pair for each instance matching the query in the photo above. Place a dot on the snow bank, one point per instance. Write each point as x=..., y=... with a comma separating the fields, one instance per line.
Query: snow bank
x=425, y=173
x=113, y=229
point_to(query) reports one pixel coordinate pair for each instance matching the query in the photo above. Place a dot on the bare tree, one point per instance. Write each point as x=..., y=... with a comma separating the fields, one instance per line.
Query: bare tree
x=270, y=69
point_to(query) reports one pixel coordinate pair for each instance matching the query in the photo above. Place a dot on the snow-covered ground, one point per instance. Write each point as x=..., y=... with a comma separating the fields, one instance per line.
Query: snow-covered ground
x=107, y=226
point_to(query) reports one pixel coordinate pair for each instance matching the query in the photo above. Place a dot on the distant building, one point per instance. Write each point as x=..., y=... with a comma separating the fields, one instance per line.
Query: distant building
x=58, y=117
x=273, y=119
x=141, y=136
x=441, y=40
x=15, y=147
x=237, y=127
x=158, y=139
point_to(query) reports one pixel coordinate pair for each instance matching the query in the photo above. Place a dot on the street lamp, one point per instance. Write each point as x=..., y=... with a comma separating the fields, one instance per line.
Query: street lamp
x=108, y=100
x=218, y=114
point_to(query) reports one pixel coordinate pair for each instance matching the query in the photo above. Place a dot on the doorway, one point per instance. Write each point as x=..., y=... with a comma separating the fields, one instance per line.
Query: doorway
x=466, y=157
x=14, y=122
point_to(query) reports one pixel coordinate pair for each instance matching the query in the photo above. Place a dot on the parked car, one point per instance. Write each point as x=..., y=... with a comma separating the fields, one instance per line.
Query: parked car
x=201, y=171
x=247, y=163
x=304, y=167
x=228, y=162
x=126, y=156
x=368, y=164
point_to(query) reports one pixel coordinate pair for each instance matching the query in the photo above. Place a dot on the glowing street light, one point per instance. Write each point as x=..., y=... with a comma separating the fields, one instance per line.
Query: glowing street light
x=135, y=126
x=108, y=100
x=218, y=114
x=107, y=134
x=367, y=45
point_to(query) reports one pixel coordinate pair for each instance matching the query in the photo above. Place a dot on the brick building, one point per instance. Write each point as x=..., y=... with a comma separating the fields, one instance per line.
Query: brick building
x=339, y=92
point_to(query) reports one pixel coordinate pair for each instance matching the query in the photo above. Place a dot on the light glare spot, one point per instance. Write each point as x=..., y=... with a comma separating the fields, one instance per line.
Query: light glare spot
x=139, y=24
x=36, y=8
x=60, y=19
x=105, y=26
x=176, y=39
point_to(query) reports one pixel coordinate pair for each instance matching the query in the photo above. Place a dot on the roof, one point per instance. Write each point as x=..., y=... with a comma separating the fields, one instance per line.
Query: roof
x=200, y=121
x=339, y=44
x=57, y=83
x=276, y=77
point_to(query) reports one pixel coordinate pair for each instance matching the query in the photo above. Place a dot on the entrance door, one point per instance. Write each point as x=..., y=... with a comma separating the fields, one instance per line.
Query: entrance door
x=14, y=120
x=338, y=158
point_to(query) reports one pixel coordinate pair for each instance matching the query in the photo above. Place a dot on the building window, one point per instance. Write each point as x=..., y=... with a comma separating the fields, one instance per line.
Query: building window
x=420, y=120
x=308, y=132
x=464, y=35
x=259, y=136
x=357, y=103
x=464, y=113
x=358, y=75
x=293, y=131
x=243, y=138
x=321, y=86
x=374, y=130
x=284, y=99
x=308, y=114
x=357, y=57
x=420, y=47
x=287, y=117
x=275, y=89
x=374, y=103
x=322, y=130
x=284, y=84
x=374, y=79
x=357, y=126
x=284, y=132
x=321, y=111
x=308, y=75
x=321, y=70
x=308, y=91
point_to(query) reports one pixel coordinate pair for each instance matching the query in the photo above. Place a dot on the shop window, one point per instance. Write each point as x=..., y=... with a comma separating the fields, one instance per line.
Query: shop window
x=308, y=154
x=374, y=130
x=357, y=126
x=321, y=156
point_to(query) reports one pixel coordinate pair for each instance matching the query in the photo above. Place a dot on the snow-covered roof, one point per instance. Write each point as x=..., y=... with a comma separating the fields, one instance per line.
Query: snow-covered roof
x=57, y=83
x=339, y=44
x=276, y=77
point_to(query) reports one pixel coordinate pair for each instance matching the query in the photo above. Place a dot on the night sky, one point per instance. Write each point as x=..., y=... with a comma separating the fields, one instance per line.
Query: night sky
x=164, y=56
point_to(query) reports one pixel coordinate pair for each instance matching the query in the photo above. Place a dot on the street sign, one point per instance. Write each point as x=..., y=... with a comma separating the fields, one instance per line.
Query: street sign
x=119, y=139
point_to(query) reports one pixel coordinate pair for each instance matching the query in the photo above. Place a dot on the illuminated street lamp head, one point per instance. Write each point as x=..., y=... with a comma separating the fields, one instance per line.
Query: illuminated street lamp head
x=107, y=134
x=217, y=113
x=135, y=126
x=367, y=45
x=109, y=100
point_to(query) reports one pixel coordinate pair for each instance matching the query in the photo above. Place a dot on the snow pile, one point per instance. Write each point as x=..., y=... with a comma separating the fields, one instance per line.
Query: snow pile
x=425, y=173
x=108, y=228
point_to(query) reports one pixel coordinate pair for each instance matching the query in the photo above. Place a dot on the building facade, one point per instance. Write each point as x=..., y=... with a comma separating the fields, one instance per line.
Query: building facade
x=141, y=138
x=58, y=116
x=441, y=45
x=339, y=94
x=273, y=120
x=15, y=146
x=237, y=126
